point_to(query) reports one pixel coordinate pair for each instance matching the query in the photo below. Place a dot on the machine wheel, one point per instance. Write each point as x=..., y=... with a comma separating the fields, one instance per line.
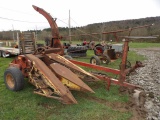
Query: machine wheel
x=95, y=60
x=106, y=59
x=77, y=49
x=128, y=65
x=98, y=50
x=118, y=55
x=14, y=79
x=4, y=54
x=77, y=54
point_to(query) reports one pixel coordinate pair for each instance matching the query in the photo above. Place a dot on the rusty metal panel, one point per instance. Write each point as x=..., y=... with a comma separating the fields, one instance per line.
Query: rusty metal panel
x=69, y=64
x=52, y=80
x=69, y=75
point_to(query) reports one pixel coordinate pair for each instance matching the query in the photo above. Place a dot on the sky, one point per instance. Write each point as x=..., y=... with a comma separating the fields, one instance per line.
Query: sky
x=20, y=15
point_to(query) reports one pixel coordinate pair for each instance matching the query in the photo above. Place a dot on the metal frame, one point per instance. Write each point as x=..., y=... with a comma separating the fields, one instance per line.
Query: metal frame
x=54, y=76
x=55, y=42
x=122, y=73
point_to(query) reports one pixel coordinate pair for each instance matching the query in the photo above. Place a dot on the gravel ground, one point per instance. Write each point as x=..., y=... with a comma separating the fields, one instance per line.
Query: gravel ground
x=148, y=78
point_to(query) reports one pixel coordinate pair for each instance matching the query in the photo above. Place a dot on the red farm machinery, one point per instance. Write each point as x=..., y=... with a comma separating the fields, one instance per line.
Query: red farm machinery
x=52, y=74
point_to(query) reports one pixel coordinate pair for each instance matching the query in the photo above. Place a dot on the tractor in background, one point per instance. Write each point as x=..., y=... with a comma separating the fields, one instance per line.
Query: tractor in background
x=104, y=53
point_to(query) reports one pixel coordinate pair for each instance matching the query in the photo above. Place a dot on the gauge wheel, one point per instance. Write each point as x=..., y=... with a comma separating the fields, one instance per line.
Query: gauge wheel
x=14, y=79
x=95, y=60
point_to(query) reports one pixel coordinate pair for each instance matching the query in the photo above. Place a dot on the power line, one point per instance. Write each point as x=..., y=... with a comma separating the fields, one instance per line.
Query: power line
x=75, y=22
x=78, y=29
x=41, y=22
x=20, y=20
x=84, y=32
x=16, y=11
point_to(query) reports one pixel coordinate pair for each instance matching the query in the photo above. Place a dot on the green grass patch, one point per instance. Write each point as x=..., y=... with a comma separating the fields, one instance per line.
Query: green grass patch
x=24, y=105
x=143, y=45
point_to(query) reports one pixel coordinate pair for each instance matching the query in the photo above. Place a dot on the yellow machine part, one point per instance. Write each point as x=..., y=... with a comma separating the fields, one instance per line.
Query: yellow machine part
x=69, y=84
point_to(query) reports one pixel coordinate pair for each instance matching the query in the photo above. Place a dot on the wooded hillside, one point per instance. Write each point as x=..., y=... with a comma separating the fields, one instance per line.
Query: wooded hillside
x=99, y=28
x=113, y=26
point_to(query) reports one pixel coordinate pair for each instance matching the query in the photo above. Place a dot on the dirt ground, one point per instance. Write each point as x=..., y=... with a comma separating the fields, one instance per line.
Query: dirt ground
x=138, y=112
x=148, y=78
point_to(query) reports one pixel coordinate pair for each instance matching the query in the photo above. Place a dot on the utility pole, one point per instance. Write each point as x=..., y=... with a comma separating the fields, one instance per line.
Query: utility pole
x=102, y=30
x=36, y=33
x=13, y=33
x=2, y=34
x=69, y=28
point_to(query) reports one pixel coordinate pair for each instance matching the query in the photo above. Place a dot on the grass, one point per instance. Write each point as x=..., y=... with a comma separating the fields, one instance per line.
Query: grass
x=24, y=105
x=144, y=45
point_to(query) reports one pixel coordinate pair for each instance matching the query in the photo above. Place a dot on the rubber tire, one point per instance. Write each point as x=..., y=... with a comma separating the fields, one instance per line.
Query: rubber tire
x=100, y=48
x=4, y=54
x=77, y=49
x=106, y=59
x=118, y=55
x=18, y=79
x=77, y=54
x=96, y=60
